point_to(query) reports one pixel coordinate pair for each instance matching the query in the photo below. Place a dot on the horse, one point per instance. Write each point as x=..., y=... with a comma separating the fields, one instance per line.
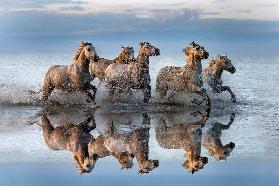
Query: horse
x=134, y=75
x=74, y=138
x=183, y=135
x=125, y=56
x=211, y=139
x=212, y=76
x=97, y=146
x=186, y=78
x=133, y=141
x=73, y=77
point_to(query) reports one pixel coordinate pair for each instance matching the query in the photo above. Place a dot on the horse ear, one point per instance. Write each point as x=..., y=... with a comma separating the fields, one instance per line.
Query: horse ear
x=141, y=43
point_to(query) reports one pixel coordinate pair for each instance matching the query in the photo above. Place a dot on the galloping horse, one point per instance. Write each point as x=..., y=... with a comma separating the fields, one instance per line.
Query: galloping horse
x=187, y=78
x=134, y=75
x=73, y=77
x=125, y=56
x=212, y=76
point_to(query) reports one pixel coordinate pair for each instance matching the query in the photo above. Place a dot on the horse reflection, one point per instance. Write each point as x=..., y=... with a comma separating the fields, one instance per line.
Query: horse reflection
x=183, y=135
x=74, y=138
x=211, y=139
x=125, y=159
x=130, y=143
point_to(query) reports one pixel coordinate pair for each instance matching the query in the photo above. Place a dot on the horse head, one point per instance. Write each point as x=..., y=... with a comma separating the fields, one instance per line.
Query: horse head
x=126, y=54
x=220, y=63
x=145, y=166
x=149, y=50
x=195, y=163
x=125, y=159
x=84, y=162
x=90, y=52
x=222, y=152
x=193, y=160
x=196, y=51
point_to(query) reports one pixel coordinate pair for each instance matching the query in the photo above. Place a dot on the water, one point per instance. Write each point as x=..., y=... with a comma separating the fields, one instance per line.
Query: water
x=26, y=159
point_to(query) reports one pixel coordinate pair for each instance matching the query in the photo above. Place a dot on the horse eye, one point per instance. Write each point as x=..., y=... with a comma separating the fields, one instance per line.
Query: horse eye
x=197, y=48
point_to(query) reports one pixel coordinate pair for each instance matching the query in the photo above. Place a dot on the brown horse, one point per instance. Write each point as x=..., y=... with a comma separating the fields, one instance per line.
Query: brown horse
x=211, y=139
x=74, y=138
x=73, y=77
x=125, y=56
x=97, y=146
x=183, y=135
x=134, y=75
x=212, y=76
x=187, y=78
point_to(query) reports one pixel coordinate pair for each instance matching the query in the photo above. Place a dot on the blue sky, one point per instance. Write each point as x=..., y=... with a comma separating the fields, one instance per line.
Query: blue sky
x=51, y=21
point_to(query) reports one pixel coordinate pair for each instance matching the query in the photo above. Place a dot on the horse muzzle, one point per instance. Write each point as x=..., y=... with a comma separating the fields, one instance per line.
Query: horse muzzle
x=206, y=55
x=157, y=52
x=232, y=70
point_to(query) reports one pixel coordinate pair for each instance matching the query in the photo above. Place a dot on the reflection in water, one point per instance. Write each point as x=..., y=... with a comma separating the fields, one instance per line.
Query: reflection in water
x=120, y=136
x=183, y=135
x=211, y=139
x=71, y=137
x=126, y=136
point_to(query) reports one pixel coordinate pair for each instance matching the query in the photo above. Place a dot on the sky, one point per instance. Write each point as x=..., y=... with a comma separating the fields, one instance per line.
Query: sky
x=56, y=21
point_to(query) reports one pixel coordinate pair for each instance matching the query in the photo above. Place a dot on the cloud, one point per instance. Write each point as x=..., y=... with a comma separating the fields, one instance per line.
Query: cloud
x=244, y=11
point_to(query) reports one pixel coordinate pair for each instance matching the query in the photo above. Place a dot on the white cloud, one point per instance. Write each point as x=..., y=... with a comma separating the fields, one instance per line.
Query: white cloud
x=154, y=9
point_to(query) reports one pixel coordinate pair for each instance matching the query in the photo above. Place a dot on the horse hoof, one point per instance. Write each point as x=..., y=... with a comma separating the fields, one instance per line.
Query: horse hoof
x=145, y=100
x=95, y=105
x=208, y=103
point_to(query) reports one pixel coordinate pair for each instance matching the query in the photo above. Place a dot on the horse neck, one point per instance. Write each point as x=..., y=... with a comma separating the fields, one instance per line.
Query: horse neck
x=82, y=61
x=215, y=72
x=143, y=60
x=194, y=63
x=193, y=149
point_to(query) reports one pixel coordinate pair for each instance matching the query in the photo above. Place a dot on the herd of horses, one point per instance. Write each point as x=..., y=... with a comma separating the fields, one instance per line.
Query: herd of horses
x=126, y=137
x=126, y=72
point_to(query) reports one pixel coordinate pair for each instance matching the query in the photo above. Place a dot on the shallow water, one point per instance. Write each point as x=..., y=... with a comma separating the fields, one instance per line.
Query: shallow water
x=24, y=154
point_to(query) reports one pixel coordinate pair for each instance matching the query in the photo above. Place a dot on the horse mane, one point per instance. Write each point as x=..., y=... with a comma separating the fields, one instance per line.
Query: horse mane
x=214, y=60
x=80, y=48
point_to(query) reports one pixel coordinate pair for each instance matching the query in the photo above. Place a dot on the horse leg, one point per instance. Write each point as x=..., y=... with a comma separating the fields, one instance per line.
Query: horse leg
x=85, y=123
x=227, y=126
x=47, y=88
x=91, y=98
x=205, y=117
x=47, y=92
x=94, y=89
x=147, y=93
x=226, y=88
x=47, y=127
x=201, y=92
